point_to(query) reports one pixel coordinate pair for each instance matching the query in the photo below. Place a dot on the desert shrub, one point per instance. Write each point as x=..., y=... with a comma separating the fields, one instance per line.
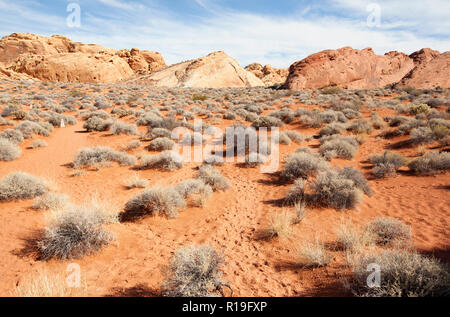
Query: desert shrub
x=37, y=144
x=9, y=151
x=47, y=285
x=339, y=147
x=332, y=128
x=416, y=109
x=358, y=179
x=403, y=274
x=73, y=232
x=119, y=127
x=295, y=136
x=161, y=144
x=314, y=254
x=97, y=124
x=395, y=159
x=386, y=164
x=360, y=126
x=195, y=191
x=29, y=128
x=166, y=160
x=352, y=238
x=101, y=155
x=377, y=122
x=132, y=145
x=297, y=192
x=283, y=138
x=332, y=189
x=431, y=163
x=11, y=135
x=194, y=272
x=440, y=131
x=154, y=201
x=303, y=165
x=422, y=135
x=136, y=181
x=50, y=201
x=19, y=185
x=254, y=159
x=229, y=115
x=386, y=231
x=280, y=225
x=159, y=133
x=267, y=122
x=212, y=177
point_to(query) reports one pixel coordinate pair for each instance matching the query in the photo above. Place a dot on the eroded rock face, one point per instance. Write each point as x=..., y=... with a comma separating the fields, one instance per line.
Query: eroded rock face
x=349, y=68
x=57, y=58
x=217, y=70
x=269, y=75
x=432, y=70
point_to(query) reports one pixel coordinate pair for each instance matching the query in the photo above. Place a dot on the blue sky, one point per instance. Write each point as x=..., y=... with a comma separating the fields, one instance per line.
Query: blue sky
x=270, y=32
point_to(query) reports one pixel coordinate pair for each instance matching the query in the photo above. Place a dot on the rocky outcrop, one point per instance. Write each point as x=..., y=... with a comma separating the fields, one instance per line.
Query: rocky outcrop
x=217, y=70
x=432, y=70
x=269, y=75
x=349, y=68
x=57, y=58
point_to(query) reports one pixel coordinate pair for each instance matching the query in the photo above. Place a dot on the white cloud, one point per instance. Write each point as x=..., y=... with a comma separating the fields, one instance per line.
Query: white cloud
x=251, y=37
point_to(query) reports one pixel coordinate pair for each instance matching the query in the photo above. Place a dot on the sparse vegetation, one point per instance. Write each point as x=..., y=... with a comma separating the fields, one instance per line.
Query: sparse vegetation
x=19, y=185
x=195, y=272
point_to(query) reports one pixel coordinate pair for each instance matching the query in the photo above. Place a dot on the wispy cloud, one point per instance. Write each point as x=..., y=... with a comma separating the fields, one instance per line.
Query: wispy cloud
x=246, y=35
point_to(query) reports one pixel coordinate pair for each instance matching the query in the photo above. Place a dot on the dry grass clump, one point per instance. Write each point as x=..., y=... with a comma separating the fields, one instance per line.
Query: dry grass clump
x=333, y=189
x=431, y=163
x=297, y=192
x=352, y=238
x=338, y=146
x=194, y=272
x=14, y=136
x=46, y=284
x=155, y=201
x=136, y=181
x=37, y=144
x=254, y=159
x=266, y=122
x=19, y=185
x=74, y=231
x=386, y=164
x=387, y=231
x=314, y=254
x=119, y=127
x=195, y=191
x=132, y=145
x=50, y=201
x=97, y=124
x=402, y=274
x=333, y=128
x=100, y=155
x=9, y=151
x=212, y=177
x=280, y=225
x=166, y=160
x=303, y=165
x=161, y=144
x=300, y=212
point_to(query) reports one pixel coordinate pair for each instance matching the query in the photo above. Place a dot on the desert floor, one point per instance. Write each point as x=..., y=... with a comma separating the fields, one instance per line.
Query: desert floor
x=230, y=221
